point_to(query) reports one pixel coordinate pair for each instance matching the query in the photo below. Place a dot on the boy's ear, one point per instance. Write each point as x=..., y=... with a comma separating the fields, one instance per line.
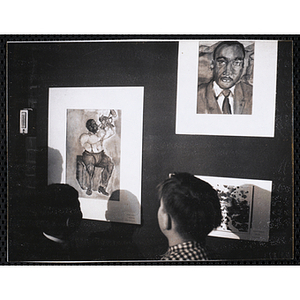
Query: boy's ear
x=212, y=64
x=167, y=221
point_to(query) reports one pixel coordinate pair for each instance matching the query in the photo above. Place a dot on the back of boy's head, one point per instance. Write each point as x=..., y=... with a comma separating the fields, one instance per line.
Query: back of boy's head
x=59, y=209
x=192, y=203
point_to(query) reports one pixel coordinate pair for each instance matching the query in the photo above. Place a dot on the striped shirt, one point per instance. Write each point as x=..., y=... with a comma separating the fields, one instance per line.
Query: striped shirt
x=190, y=250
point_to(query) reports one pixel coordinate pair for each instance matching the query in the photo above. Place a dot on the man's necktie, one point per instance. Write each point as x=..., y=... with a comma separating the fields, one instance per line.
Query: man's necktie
x=226, y=109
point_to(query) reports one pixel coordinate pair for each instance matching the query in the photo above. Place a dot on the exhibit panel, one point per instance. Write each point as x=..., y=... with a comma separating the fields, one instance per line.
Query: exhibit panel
x=132, y=87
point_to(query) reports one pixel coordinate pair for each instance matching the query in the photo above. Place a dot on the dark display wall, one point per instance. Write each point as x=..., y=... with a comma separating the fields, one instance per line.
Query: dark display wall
x=34, y=67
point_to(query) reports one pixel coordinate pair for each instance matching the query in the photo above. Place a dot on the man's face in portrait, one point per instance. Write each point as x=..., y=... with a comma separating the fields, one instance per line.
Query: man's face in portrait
x=228, y=65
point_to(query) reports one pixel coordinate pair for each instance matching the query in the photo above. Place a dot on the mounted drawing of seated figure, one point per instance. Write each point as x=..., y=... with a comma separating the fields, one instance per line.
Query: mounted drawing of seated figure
x=94, y=157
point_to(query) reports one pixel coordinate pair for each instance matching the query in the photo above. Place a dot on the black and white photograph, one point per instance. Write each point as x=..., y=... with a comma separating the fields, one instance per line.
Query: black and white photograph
x=226, y=82
x=150, y=151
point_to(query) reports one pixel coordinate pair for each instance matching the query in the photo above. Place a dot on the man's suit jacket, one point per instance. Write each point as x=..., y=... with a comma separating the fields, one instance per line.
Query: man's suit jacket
x=242, y=99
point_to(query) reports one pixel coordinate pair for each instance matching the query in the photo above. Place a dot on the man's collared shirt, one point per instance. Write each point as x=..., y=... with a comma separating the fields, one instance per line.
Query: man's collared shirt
x=190, y=250
x=220, y=97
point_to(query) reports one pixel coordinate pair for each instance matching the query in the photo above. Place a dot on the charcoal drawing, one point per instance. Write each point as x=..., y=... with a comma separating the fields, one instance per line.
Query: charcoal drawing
x=225, y=80
x=95, y=151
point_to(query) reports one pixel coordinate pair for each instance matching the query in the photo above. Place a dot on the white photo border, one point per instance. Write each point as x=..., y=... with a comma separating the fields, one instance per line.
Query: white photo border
x=262, y=121
x=128, y=99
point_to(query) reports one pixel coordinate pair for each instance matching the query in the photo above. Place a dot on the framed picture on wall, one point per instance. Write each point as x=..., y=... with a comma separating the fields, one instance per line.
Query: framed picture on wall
x=226, y=87
x=95, y=145
x=245, y=207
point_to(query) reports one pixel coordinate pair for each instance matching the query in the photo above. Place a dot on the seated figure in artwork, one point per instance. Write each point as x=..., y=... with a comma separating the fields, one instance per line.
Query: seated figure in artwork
x=94, y=155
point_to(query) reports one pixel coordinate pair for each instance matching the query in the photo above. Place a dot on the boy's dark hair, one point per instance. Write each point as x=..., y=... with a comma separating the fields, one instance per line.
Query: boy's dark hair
x=56, y=203
x=192, y=202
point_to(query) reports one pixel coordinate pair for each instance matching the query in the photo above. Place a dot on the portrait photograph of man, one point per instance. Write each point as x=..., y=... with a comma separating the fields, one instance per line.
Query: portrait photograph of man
x=225, y=81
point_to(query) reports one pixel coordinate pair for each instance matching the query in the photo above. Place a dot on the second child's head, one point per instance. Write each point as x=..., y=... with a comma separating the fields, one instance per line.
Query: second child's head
x=189, y=207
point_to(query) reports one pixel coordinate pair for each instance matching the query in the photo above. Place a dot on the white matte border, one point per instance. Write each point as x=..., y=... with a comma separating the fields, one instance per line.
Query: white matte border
x=262, y=121
x=130, y=101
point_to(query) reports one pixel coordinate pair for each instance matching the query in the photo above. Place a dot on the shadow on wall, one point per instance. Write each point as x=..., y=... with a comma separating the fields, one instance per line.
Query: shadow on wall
x=117, y=243
x=123, y=206
x=55, y=166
